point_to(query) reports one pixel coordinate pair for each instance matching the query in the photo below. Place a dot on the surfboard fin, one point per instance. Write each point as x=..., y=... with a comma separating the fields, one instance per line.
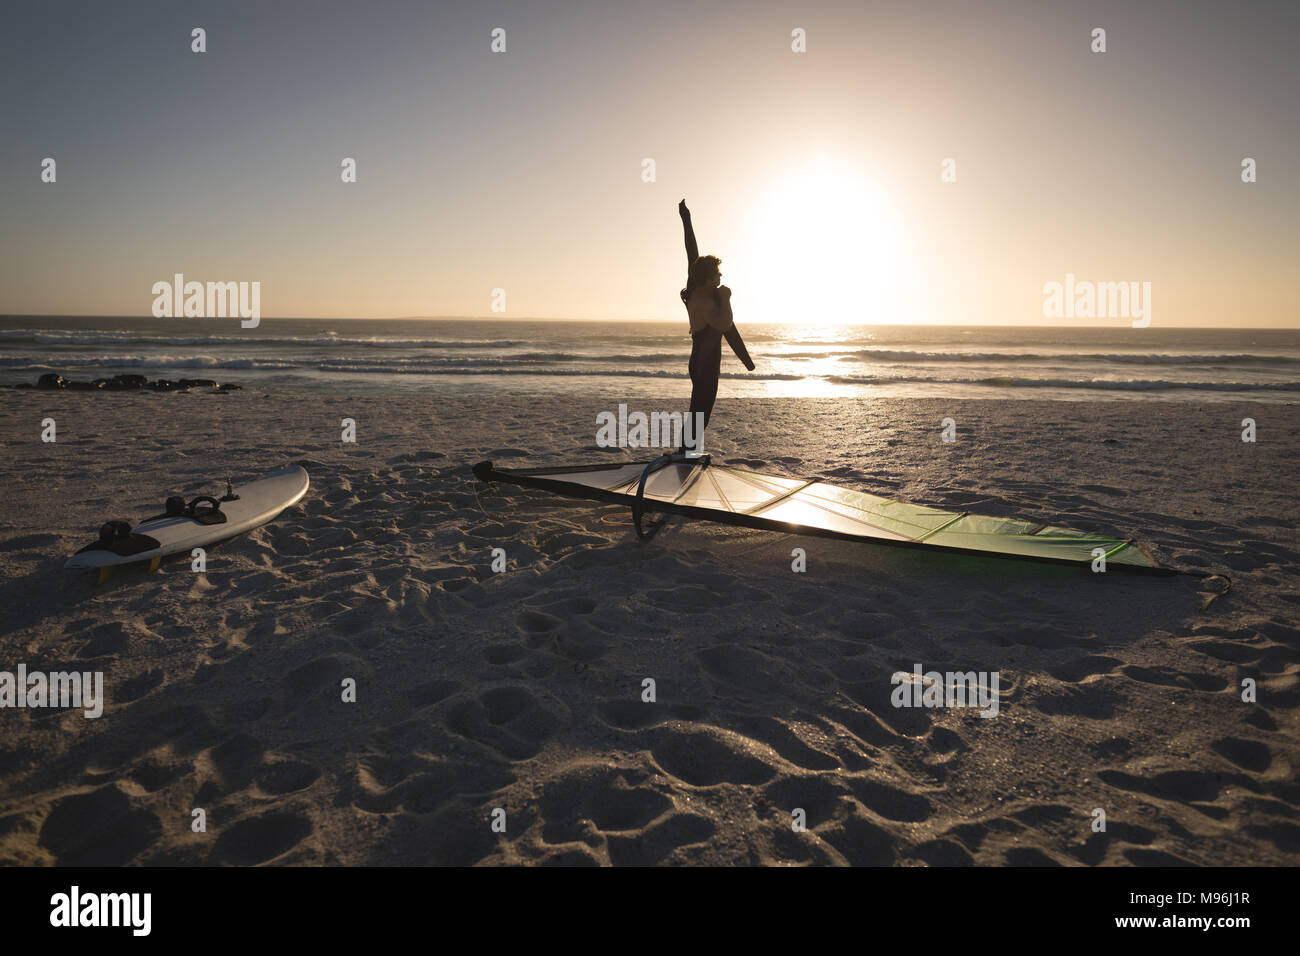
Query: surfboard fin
x=104, y=574
x=153, y=564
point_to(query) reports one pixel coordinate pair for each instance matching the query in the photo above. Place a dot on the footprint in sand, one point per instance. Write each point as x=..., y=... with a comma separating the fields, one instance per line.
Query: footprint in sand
x=671, y=837
x=1084, y=667
x=508, y=720
x=236, y=761
x=1247, y=754
x=418, y=784
x=317, y=675
x=100, y=828
x=137, y=687
x=794, y=740
x=1284, y=836
x=1027, y=856
x=591, y=805
x=1168, y=677
x=1093, y=850
x=626, y=809
x=624, y=714
x=497, y=531
x=113, y=639
x=860, y=842
x=710, y=755
x=260, y=839
x=1182, y=786
x=558, y=544
x=535, y=623
x=879, y=722
x=1155, y=858
x=821, y=797
x=943, y=853
x=286, y=776
x=154, y=774
x=891, y=802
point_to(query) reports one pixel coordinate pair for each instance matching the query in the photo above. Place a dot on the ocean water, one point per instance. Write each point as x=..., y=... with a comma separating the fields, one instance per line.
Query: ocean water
x=611, y=359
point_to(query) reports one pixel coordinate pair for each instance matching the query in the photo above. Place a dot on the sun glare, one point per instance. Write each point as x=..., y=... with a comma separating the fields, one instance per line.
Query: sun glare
x=820, y=248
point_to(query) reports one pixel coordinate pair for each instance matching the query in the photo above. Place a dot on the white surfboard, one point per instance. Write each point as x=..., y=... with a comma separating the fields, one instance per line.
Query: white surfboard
x=256, y=503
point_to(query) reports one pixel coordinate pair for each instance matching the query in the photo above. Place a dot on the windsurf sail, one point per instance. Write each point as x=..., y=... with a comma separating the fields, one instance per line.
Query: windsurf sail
x=698, y=488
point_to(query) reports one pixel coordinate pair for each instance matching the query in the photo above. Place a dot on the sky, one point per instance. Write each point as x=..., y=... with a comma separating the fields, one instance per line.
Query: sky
x=815, y=175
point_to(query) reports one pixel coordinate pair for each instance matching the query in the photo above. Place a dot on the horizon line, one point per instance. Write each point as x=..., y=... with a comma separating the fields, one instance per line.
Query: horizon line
x=1105, y=324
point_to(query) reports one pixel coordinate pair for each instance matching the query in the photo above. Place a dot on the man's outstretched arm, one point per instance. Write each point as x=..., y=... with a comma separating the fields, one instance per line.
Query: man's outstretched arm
x=692, y=250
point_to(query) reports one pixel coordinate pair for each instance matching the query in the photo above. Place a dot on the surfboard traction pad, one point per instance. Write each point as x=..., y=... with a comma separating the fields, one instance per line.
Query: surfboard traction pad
x=135, y=543
x=132, y=542
x=125, y=546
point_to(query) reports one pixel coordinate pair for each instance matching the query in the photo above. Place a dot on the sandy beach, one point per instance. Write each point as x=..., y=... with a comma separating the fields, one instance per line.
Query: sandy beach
x=523, y=690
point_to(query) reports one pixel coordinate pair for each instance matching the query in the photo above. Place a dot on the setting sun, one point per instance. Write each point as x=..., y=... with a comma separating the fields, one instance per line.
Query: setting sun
x=821, y=247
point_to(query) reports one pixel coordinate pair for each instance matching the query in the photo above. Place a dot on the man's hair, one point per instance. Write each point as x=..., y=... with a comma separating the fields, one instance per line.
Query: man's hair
x=700, y=274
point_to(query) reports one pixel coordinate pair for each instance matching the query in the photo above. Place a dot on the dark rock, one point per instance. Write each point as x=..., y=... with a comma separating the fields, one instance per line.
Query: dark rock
x=52, y=380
